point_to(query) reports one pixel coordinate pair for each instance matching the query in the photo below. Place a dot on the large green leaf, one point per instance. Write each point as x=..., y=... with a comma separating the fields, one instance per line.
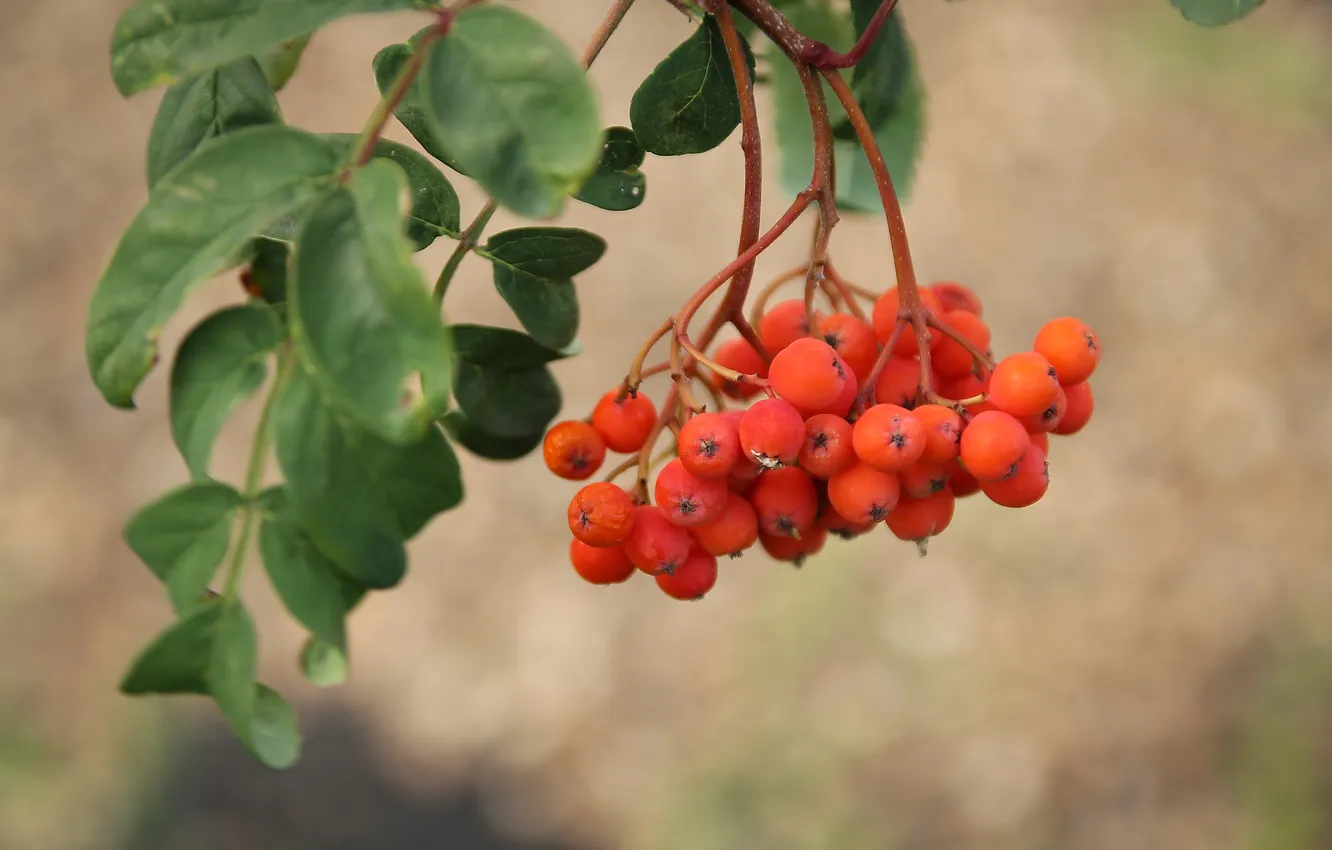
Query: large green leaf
x=688, y=104
x=1214, y=13
x=882, y=77
x=273, y=737
x=479, y=442
x=510, y=101
x=184, y=536
x=228, y=98
x=534, y=269
x=357, y=495
x=435, y=209
x=501, y=348
x=268, y=270
x=219, y=365
x=160, y=41
x=512, y=404
x=411, y=111
x=361, y=315
x=196, y=222
x=617, y=184
x=279, y=63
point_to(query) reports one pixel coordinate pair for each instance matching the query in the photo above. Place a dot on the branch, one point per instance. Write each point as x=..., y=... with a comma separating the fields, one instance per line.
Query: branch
x=803, y=49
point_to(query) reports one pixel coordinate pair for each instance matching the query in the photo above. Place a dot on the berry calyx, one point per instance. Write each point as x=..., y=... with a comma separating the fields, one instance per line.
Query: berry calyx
x=686, y=499
x=827, y=449
x=889, y=438
x=709, y=445
x=854, y=341
x=863, y=494
x=601, y=514
x=573, y=449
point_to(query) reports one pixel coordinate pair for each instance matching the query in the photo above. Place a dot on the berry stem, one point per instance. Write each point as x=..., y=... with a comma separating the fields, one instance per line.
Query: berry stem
x=397, y=90
x=635, y=377
x=467, y=240
x=614, y=17
x=765, y=294
x=681, y=379
x=981, y=358
x=749, y=335
x=803, y=49
x=867, y=391
x=845, y=289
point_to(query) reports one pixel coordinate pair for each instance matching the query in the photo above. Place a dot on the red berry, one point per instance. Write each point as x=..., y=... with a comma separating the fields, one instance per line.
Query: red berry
x=955, y=296
x=1049, y=418
x=734, y=530
x=601, y=514
x=922, y=478
x=709, y=445
x=962, y=483
x=919, y=519
x=600, y=565
x=688, y=500
x=842, y=406
x=783, y=324
x=1040, y=440
x=863, y=493
x=772, y=432
x=888, y=438
x=1026, y=486
x=692, y=579
x=885, y=317
x=739, y=355
x=839, y=525
x=625, y=424
x=992, y=445
x=1078, y=410
x=854, y=341
x=794, y=549
x=1023, y=384
x=943, y=432
x=949, y=357
x=656, y=545
x=899, y=382
x=808, y=373
x=1071, y=347
x=785, y=501
x=827, y=449
x=573, y=449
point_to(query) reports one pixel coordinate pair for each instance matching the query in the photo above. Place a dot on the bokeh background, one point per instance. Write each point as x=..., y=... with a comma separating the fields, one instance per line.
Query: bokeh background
x=1143, y=660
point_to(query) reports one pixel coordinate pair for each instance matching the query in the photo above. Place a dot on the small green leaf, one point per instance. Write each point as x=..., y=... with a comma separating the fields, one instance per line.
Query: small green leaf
x=435, y=209
x=1215, y=13
x=183, y=537
x=361, y=315
x=482, y=444
x=279, y=63
x=500, y=348
x=308, y=584
x=193, y=111
x=323, y=665
x=273, y=737
x=358, y=496
x=161, y=41
x=196, y=222
x=220, y=364
x=882, y=77
x=511, y=102
x=411, y=111
x=534, y=270
x=688, y=104
x=268, y=269
x=508, y=403
x=617, y=184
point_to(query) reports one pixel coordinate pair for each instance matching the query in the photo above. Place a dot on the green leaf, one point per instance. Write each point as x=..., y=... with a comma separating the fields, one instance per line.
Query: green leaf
x=617, y=184
x=361, y=315
x=323, y=665
x=508, y=403
x=882, y=77
x=225, y=99
x=273, y=737
x=411, y=111
x=476, y=440
x=196, y=221
x=268, y=269
x=688, y=104
x=279, y=63
x=500, y=348
x=183, y=538
x=534, y=270
x=358, y=496
x=512, y=103
x=161, y=41
x=1214, y=13
x=435, y=209
x=308, y=584
x=220, y=364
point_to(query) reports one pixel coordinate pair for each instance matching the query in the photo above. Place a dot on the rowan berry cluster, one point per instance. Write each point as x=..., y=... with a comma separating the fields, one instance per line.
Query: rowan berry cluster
x=859, y=427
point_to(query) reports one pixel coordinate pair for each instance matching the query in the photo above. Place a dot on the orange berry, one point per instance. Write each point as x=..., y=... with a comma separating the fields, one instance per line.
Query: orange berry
x=573, y=449
x=899, y=382
x=949, y=358
x=785, y=501
x=943, y=432
x=687, y=499
x=1040, y=440
x=839, y=525
x=955, y=296
x=885, y=318
x=961, y=482
x=601, y=514
x=920, y=519
x=922, y=478
x=863, y=493
x=845, y=401
x=794, y=549
x=854, y=340
x=598, y=564
x=808, y=373
x=1078, y=410
x=1026, y=486
x=625, y=424
x=772, y=432
x=656, y=545
x=733, y=530
x=692, y=579
x=827, y=449
x=709, y=445
x=1023, y=384
x=739, y=355
x=961, y=388
x=783, y=324
x=992, y=445
x=1071, y=347
x=888, y=438
x=1049, y=418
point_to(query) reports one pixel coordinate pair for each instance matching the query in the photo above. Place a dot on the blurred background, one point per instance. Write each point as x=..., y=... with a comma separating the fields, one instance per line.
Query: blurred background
x=1142, y=660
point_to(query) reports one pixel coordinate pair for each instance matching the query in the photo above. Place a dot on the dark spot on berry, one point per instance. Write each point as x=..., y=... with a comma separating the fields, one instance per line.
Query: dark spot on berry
x=1091, y=342
x=910, y=403
x=707, y=448
x=1050, y=412
x=687, y=506
x=837, y=364
x=579, y=461
x=735, y=555
x=799, y=561
x=1052, y=373
x=878, y=512
x=897, y=440
x=843, y=534
x=1012, y=470
x=785, y=526
x=583, y=519
x=820, y=441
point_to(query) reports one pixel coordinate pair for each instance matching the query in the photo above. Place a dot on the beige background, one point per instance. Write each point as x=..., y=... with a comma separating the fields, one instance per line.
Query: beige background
x=1140, y=661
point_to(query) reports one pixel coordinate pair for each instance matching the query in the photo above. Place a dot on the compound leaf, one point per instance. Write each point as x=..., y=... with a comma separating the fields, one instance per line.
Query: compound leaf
x=184, y=536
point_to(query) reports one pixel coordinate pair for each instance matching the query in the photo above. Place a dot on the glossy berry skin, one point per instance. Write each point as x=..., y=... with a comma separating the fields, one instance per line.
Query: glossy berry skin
x=1078, y=410
x=692, y=579
x=827, y=449
x=922, y=478
x=854, y=341
x=688, y=500
x=888, y=438
x=709, y=445
x=600, y=565
x=1071, y=347
x=783, y=324
x=863, y=494
x=920, y=519
x=601, y=514
x=1026, y=486
x=954, y=296
x=624, y=425
x=949, y=358
x=573, y=450
x=1049, y=418
x=842, y=406
x=785, y=501
x=943, y=432
x=992, y=445
x=899, y=382
x=656, y=545
x=739, y=355
x=733, y=531
x=885, y=317
x=809, y=374
x=772, y=432
x=795, y=550
x=1023, y=384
